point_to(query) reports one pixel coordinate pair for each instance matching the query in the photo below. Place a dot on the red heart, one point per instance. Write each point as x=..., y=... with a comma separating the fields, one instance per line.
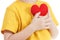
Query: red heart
x=43, y=9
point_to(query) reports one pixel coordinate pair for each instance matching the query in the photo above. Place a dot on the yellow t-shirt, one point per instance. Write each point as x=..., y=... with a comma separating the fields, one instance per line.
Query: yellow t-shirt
x=18, y=16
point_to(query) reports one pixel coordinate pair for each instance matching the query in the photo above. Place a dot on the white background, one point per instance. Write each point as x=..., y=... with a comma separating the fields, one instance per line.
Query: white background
x=55, y=4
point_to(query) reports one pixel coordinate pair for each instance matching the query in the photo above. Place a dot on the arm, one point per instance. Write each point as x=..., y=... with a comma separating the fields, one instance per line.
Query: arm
x=24, y=34
x=53, y=30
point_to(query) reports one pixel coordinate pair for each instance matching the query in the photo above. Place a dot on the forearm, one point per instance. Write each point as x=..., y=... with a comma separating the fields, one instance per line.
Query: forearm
x=22, y=35
x=53, y=30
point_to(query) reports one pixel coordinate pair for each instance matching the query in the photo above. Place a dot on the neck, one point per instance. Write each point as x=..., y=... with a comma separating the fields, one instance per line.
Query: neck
x=29, y=1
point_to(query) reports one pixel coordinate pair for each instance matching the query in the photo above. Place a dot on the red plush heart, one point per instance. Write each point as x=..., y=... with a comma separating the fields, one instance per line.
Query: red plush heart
x=43, y=9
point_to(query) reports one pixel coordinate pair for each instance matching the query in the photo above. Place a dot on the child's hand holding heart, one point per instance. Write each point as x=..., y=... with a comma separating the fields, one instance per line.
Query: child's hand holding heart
x=40, y=22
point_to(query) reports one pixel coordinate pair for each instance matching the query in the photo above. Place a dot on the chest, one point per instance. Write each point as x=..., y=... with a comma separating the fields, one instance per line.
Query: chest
x=25, y=16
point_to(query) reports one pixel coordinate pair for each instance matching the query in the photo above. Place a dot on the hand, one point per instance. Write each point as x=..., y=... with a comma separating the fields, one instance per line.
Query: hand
x=50, y=21
x=52, y=27
x=39, y=22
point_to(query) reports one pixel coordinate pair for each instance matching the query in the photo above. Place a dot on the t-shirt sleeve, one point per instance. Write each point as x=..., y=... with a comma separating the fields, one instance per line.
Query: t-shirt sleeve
x=10, y=22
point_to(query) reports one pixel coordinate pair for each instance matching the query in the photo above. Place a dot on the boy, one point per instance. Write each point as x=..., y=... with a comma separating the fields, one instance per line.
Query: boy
x=20, y=24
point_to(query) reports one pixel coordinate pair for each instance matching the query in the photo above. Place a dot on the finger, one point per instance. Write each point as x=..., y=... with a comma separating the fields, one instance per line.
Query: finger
x=47, y=20
x=44, y=20
x=49, y=13
x=46, y=16
x=47, y=24
x=43, y=17
x=45, y=28
x=37, y=14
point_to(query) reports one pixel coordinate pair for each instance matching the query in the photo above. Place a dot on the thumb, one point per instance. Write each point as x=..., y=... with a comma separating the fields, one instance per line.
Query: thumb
x=37, y=14
x=49, y=13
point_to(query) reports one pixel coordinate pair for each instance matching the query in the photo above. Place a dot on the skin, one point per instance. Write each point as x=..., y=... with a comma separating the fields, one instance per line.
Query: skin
x=29, y=1
x=38, y=23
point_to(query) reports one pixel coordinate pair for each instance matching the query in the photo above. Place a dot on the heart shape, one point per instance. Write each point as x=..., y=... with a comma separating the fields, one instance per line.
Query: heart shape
x=43, y=9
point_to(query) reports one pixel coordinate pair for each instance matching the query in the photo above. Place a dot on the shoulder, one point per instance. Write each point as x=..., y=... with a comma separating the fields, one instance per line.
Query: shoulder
x=12, y=6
